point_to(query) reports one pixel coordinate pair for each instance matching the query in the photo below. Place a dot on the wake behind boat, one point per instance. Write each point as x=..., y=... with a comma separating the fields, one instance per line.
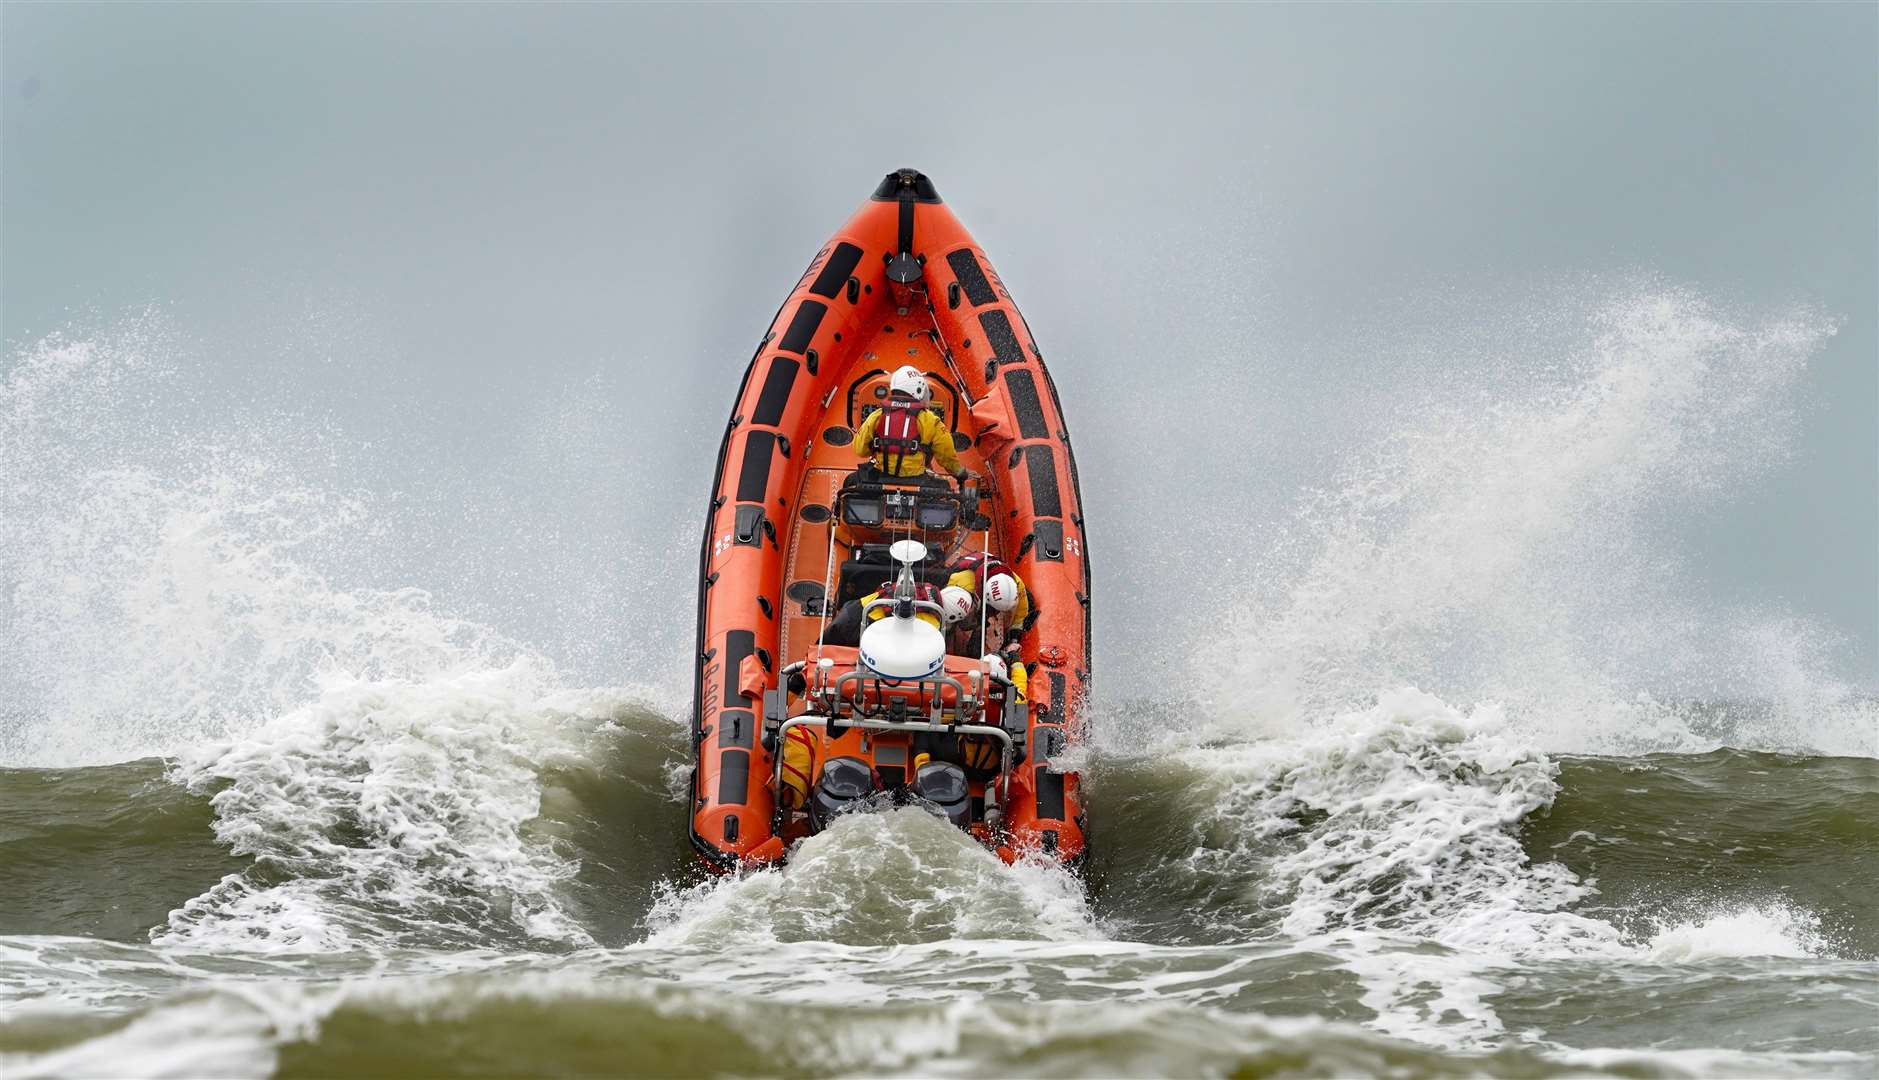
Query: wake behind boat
x=893, y=598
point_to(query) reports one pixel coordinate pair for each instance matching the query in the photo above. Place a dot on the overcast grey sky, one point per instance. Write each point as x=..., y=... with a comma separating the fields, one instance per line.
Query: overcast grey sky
x=516, y=257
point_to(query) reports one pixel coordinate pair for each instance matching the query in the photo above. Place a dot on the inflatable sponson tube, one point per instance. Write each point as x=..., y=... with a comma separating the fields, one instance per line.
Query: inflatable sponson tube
x=798, y=526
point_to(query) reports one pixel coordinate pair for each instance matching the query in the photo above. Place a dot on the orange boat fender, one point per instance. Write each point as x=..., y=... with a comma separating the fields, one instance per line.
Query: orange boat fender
x=992, y=413
x=750, y=680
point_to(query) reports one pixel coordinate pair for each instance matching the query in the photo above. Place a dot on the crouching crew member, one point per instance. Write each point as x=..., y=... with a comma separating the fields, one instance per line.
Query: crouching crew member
x=988, y=579
x=845, y=628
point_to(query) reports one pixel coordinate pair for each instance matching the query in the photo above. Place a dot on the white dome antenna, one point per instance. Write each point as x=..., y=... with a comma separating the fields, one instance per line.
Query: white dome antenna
x=897, y=649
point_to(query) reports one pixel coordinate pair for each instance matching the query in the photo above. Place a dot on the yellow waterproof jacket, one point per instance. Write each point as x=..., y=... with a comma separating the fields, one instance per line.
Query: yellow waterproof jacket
x=935, y=438
x=883, y=612
x=969, y=581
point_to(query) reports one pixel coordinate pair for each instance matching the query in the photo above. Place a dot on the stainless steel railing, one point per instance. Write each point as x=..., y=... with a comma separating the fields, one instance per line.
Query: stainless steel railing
x=871, y=724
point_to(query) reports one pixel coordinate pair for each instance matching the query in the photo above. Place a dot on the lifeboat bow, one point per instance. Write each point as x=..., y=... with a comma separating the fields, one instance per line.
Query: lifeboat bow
x=792, y=726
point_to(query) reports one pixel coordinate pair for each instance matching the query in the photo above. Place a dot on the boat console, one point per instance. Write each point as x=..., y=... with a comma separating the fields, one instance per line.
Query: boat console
x=918, y=503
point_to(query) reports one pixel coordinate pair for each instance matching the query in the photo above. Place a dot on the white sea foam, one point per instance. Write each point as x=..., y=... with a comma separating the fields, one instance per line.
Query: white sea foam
x=198, y=596
x=395, y=810
x=1515, y=548
x=1405, y=820
x=1507, y=549
x=1773, y=929
x=206, y=1036
x=894, y=877
x=1389, y=838
x=168, y=580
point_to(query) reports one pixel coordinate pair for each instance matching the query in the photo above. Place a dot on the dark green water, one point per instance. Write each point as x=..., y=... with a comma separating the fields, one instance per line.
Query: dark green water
x=1393, y=894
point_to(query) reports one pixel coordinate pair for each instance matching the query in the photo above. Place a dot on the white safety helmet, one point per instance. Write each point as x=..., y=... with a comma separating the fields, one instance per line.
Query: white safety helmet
x=1001, y=593
x=911, y=381
x=995, y=664
x=955, y=603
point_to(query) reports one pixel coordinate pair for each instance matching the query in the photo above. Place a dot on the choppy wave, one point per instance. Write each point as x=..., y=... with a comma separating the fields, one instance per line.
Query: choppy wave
x=901, y=876
x=550, y=819
x=944, y=1008
x=1409, y=871
x=265, y=815
x=392, y=804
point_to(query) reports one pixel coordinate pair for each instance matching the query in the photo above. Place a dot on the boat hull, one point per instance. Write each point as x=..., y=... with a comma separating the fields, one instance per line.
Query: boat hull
x=902, y=282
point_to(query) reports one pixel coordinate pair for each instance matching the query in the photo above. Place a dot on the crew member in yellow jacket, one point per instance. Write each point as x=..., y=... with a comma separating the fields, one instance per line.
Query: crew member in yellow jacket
x=988, y=580
x=903, y=436
x=845, y=628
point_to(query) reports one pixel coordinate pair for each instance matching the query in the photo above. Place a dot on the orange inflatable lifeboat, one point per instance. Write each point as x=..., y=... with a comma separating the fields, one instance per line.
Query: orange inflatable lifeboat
x=964, y=715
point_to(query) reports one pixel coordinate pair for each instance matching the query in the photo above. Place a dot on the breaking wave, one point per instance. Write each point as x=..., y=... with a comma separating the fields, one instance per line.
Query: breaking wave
x=381, y=768
x=1517, y=541
x=900, y=876
x=349, y=829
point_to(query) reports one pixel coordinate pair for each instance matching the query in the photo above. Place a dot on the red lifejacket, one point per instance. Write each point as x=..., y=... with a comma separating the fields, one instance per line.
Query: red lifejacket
x=921, y=591
x=897, y=434
x=983, y=565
